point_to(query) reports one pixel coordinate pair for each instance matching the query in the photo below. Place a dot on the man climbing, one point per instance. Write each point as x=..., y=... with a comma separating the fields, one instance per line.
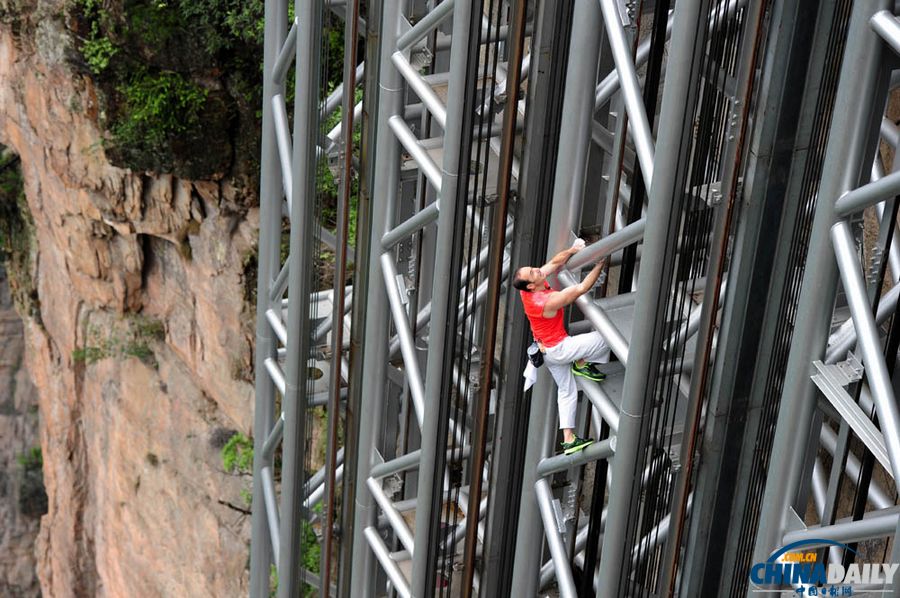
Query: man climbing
x=566, y=356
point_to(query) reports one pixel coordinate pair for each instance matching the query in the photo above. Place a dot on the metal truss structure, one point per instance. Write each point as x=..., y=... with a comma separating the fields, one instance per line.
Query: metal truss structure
x=733, y=158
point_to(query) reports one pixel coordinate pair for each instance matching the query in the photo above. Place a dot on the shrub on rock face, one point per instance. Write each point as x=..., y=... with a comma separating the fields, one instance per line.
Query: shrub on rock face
x=237, y=454
x=17, y=243
x=32, y=494
x=168, y=123
x=179, y=81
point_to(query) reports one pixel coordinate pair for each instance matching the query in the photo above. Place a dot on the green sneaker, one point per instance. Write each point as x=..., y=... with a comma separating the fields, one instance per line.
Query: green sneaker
x=576, y=445
x=589, y=371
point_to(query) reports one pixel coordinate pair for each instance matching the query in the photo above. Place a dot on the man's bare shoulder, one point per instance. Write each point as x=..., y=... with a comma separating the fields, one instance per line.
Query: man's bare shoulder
x=543, y=296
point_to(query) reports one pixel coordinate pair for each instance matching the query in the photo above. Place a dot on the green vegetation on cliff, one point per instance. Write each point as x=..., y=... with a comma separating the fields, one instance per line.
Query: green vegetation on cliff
x=179, y=81
x=134, y=336
x=159, y=106
x=32, y=494
x=17, y=243
x=237, y=454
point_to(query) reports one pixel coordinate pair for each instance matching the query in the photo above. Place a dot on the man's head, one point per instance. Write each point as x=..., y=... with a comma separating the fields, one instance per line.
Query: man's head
x=529, y=279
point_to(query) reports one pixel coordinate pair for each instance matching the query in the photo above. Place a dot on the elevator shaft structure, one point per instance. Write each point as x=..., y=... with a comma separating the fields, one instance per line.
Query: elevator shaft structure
x=734, y=160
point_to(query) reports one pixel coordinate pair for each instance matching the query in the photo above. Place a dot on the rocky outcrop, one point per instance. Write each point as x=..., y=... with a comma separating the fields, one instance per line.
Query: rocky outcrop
x=138, y=347
x=19, y=515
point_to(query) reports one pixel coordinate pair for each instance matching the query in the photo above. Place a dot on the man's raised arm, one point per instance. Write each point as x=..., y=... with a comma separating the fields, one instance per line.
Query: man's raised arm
x=568, y=296
x=557, y=261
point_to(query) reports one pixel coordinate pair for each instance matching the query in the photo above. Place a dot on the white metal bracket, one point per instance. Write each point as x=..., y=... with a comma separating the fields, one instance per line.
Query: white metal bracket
x=831, y=380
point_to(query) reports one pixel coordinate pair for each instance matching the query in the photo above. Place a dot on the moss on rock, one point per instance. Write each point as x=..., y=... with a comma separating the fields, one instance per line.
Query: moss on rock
x=17, y=242
x=179, y=82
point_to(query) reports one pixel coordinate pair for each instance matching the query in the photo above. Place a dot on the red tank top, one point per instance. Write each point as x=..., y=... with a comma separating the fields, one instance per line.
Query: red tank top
x=549, y=331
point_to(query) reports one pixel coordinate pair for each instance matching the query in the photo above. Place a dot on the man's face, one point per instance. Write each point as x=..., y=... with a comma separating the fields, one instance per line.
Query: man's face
x=534, y=276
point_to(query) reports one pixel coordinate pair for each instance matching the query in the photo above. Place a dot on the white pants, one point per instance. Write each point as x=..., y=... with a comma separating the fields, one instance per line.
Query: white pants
x=559, y=359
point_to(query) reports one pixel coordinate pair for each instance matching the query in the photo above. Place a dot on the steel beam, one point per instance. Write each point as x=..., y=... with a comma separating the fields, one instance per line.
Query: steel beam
x=564, y=578
x=263, y=544
x=869, y=343
x=416, y=151
x=578, y=105
x=387, y=563
x=426, y=24
x=436, y=362
x=599, y=450
x=384, y=190
x=303, y=165
x=876, y=495
x=885, y=24
x=599, y=320
x=635, y=407
x=631, y=89
x=868, y=195
x=413, y=224
x=407, y=346
x=875, y=525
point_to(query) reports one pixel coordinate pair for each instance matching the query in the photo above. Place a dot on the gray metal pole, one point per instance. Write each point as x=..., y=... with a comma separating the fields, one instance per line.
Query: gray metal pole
x=877, y=496
x=384, y=191
x=303, y=164
x=595, y=452
x=850, y=128
x=640, y=129
x=677, y=97
x=610, y=84
x=407, y=343
x=875, y=526
x=557, y=548
x=701, y=373
x=575, y=129
x=440, y=293
x=541, y=434
x=390, y=565
x=261, y=554
x=868, y=195
x=578, y=103
x=869, y=343
x=426, y=24
x=572, y=159
x=340, y=275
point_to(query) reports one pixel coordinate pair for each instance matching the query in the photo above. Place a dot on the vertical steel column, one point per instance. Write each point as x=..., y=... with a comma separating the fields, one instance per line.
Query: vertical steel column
x=529, y=541
x=676, y=113
x=495, y=279
x=522, y=417
x=270, y=194
x=440, y=295
x=384, y=191
x=354, y=409
x=303, y=222
x=575, y=141
x=575, y=129
x=719, y=244
x=340, y=274
x=757, y=264
x=850, y=130
x=542, y=417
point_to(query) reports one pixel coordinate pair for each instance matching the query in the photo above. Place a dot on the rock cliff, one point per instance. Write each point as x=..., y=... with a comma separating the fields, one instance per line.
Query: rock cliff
x=138, y=340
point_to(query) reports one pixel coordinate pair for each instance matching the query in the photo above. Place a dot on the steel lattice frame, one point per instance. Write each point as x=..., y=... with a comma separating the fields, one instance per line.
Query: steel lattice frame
x=413, y=140
x=833, y=265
